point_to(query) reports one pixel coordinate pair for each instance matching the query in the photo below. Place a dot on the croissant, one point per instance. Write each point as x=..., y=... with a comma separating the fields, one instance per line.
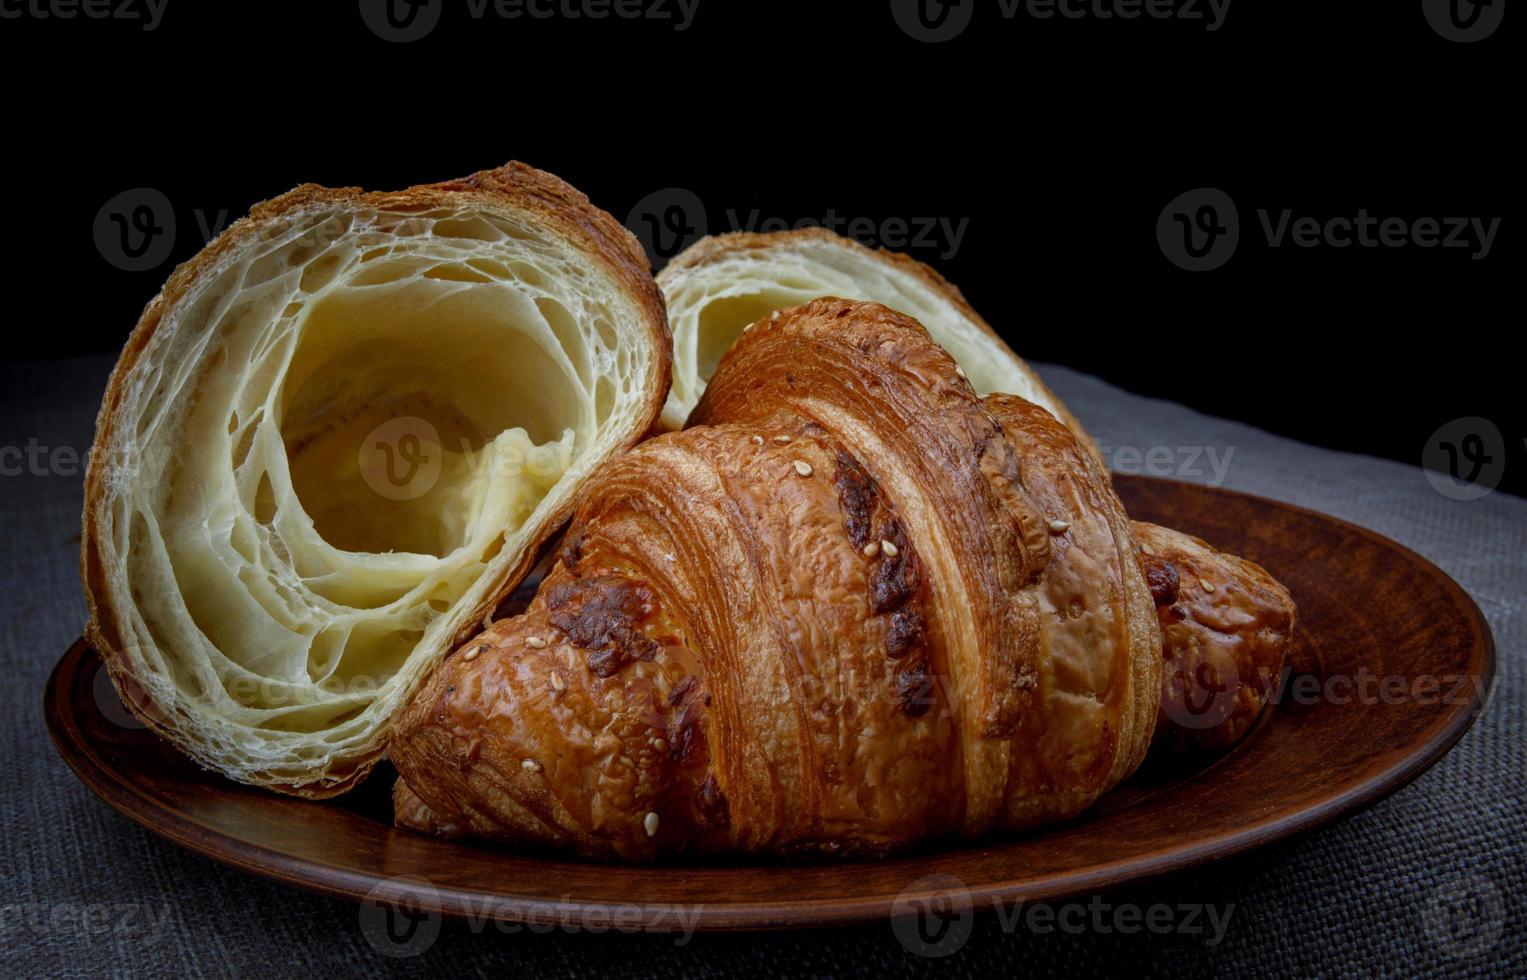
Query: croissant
x=1227, y=628
x=853, y=606
x=337, y=437
x=720, y=284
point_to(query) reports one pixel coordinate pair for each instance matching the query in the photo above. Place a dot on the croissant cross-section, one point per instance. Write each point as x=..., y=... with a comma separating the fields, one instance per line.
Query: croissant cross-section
x=337, y=438
x=721, y=284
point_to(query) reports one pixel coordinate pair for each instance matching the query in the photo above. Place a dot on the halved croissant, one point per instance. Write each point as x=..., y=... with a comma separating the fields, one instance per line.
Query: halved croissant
x=337, y=438
x=719, y=285
x=852, y=607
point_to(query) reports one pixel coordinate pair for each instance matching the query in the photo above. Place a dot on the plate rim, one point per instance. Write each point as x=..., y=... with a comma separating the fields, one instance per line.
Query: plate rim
x=109, y=784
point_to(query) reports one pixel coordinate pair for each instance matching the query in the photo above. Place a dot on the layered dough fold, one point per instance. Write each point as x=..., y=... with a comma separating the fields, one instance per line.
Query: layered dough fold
x=854, y=606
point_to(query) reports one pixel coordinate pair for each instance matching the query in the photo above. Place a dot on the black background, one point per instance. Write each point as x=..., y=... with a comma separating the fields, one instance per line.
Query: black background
x=1060, y=140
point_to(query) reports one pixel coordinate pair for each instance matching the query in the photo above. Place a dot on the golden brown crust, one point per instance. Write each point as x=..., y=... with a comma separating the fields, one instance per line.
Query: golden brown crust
x=1226, y=629
x=513, y=187
x=1101, y=635
x=714, y=248
x=834, y=615
x=712, y=650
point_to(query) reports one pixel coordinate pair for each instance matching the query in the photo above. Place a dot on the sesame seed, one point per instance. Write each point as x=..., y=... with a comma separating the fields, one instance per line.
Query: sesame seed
x=747, y=328
x=661, y=744
x=1208, y=585
x=781, y=439
x=802, y=467
x=471, y=654
x=557, y=683
x=757, y=440
x=872, y=549
x=650, y=823
x=888, y=548
x=774, y=317
x=530, y=765
x=959, y=370
x=1059, y=527
x=535, y=643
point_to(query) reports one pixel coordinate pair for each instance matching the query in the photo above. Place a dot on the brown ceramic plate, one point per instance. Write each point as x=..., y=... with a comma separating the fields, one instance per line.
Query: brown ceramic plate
x=1368, y=608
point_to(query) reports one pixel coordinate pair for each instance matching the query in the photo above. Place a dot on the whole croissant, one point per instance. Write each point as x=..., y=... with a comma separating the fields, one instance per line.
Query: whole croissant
x=852, y=607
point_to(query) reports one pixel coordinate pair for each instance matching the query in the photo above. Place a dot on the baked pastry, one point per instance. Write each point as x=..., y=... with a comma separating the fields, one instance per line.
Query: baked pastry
x=719, y=285
x=1226, y=629
x=854, y=606
x=337, y=437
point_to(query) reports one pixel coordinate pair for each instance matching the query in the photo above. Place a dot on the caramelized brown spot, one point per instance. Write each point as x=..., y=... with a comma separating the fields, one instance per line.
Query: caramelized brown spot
x=710, y=803
x=894, y=580
x=685, y=736
x=856, y=498
x=914, y=690
x=905, y=633
x=1161, y=576
x=682, y=688
x=601, y=615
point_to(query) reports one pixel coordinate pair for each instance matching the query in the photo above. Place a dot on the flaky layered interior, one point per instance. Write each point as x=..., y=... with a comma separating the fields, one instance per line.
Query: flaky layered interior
x=330, y=455
x=711, y=301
